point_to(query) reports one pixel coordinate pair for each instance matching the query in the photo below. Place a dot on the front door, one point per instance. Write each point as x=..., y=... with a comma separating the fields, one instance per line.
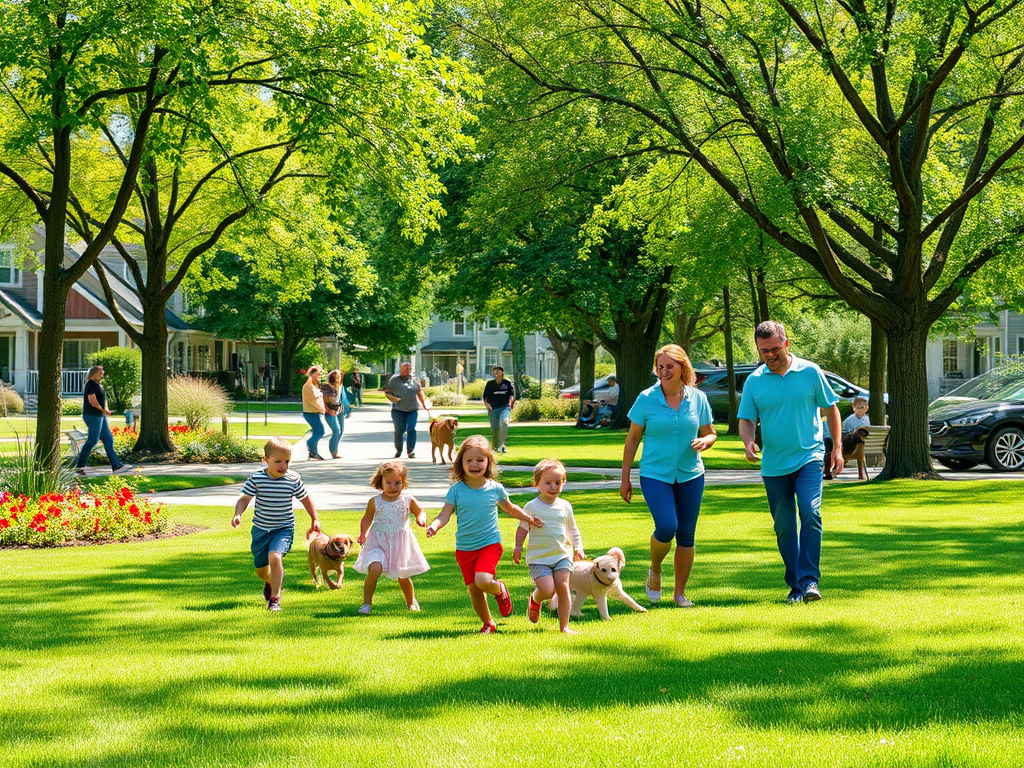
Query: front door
x=6, y=358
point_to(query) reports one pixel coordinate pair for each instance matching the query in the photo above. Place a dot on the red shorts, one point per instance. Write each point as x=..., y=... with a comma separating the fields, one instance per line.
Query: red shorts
x=474, y=561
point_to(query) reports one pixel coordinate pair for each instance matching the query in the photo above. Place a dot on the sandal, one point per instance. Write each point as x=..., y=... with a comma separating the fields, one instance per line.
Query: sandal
x=653, y=586
x=683, y=602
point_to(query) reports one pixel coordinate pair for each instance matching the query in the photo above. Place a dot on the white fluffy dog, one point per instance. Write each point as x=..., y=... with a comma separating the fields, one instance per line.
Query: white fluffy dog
x=599, y=578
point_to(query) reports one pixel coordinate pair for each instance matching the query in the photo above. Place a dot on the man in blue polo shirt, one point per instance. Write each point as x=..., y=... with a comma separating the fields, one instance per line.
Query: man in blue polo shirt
x=788, y=395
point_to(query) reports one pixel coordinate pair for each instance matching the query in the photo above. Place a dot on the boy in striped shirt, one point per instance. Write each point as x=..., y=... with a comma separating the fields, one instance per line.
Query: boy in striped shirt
x=273, y=522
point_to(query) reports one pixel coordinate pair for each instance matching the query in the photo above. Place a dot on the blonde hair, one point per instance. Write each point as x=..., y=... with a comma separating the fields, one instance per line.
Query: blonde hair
x=544, y=465
x=458, y=473
x=333, y=376
x=678, y=354
x=377, y=481
x=860, y=399
x=276, y=445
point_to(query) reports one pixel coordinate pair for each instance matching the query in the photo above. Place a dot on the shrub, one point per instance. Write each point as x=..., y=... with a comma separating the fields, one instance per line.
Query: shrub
x=113, y=512
x=559, y=409
x=445, y=398
x=526, y=410
x=206, y=446
x=71, y=408
x=122, y=374
x=20, y=475
x=474, y=390
x=197, y=400
x=10, y=401
x=603, y=369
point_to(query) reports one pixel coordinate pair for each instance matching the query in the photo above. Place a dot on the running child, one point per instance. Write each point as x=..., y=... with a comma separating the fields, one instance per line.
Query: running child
x=553, y=547
x=475, y=498
x=388, y=544
x=273, y=522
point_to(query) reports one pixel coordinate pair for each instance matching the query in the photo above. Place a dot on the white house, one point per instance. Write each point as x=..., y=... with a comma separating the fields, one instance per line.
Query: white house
x=951, y=361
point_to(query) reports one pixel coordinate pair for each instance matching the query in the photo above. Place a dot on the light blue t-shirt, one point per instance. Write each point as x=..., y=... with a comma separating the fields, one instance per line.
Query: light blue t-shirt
x=668, y=433
x=787, y=405
x=476, y=512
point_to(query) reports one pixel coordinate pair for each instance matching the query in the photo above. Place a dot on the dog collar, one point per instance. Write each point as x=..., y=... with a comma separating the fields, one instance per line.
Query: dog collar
x=594, y=574
x=323, y=552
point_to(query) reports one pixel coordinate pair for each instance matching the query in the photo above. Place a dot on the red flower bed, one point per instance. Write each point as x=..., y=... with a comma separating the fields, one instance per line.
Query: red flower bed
x=61, y=518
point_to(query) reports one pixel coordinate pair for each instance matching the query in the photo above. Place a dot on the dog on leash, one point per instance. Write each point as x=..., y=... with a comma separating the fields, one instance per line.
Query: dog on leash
x=598, y=578
x=328, y=553
x=853, y=449
x=442, y=435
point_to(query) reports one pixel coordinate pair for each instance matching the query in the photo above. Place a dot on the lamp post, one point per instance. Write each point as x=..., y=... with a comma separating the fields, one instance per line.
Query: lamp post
x=541, y=357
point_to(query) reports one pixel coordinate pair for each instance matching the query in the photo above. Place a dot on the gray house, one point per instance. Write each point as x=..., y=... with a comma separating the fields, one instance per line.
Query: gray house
x=951, y=361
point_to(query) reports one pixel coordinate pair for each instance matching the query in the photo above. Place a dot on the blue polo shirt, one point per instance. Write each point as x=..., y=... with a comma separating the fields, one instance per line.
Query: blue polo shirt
x=787, y=405
x=476, y=512
x=668, y=433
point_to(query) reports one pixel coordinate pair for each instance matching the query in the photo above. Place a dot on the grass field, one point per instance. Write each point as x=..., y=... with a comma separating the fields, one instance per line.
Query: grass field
x=161, y=653
x=164, y=483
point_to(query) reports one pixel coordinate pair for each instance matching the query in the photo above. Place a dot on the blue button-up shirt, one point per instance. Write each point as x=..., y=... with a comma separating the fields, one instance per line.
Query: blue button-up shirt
x=787, y=405
x=668, y=432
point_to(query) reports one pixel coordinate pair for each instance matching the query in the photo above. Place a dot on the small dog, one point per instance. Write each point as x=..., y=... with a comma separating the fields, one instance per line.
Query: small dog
x=328, y=553
x=442, y=434
x=600, y=578
x=853, y=449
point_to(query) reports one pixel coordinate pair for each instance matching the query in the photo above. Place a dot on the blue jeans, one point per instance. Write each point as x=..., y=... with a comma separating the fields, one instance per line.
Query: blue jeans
x=499, y=426
x=99, y=431
x=405, y=424
x=317, y=425
x=801, y=552
x=357, y=395
x=674, y=507
x=337, y=425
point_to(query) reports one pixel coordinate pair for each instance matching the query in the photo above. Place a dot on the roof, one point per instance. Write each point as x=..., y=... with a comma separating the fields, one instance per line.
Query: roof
x=25, y=312
x=449, y=346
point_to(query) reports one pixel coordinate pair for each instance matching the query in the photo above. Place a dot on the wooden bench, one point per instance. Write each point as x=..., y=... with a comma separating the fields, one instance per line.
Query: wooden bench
x=875, y=444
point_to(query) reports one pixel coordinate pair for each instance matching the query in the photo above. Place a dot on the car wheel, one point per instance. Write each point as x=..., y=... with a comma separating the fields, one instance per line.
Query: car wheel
x=1005, y=450
x=957, y=465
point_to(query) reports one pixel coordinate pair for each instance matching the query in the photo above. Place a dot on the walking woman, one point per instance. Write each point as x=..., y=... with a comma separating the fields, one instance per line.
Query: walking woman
x=334, y=411
x=406, y=397
x=94, y=413
x=312, y=411
x=673, y=418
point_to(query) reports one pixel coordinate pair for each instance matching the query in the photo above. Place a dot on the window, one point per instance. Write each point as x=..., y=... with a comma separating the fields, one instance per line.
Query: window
x=491, y=325
x=492, y=357
x=1020, y=345
x=459, y=327
x=9, y=273
x=950, y=357
x=77, y=351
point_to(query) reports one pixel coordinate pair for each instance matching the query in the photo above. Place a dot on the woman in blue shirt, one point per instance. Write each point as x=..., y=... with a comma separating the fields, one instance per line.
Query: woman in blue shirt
x=673, y=419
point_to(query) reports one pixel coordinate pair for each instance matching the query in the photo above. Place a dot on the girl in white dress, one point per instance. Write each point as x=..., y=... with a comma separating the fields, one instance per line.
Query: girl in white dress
x=389, y=546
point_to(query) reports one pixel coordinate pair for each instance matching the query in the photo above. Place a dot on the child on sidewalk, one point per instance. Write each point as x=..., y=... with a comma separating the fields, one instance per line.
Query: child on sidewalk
x=553, y=547
x=273, y=522
x=388, y=544
x=475, y=497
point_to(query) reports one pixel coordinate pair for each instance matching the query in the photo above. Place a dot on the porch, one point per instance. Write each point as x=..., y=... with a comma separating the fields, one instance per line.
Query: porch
x=72, y=382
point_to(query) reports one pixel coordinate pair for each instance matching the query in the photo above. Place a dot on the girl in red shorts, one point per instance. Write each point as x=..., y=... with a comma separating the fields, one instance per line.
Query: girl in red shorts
x=475, y=498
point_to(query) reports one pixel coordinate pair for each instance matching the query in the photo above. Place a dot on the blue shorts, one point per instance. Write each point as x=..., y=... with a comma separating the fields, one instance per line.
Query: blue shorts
x=538, y=570
x=265, y=542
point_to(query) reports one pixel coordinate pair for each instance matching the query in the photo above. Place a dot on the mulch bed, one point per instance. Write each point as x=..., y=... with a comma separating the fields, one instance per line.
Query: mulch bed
x=176, y=530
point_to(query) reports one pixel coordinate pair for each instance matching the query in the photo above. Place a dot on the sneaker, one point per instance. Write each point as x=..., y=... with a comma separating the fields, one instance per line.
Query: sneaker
x=364, y=609
x=266, y=592
x=122, y=469
x=504, y=601
x=274, y=604
x=412, y=454
x=812, y=593
x=398, y=454
x=335, y=455
x=414, y=606
x=795, y=596
x=503, y=449
x=488, y=629
x=683, y=602
x=533, y=611
x=315, y=457
x=80, y=471
x=653, y=586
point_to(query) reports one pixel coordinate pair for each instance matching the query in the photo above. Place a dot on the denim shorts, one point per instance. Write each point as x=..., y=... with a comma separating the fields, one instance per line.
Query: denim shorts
x=265, y=542
x=538, y=571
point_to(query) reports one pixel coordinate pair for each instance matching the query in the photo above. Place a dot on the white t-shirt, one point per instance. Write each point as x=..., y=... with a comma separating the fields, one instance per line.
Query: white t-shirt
x=851, y=422
x=559, y=536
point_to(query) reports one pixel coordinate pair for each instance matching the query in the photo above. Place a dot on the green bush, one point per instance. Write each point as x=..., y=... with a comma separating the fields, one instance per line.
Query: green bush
x=474, y=390
x=558, y=409
x=311, y=354
x=10, y=401
x=122, y=375
x=71, y=408
x=603, y=369
x=20, y=475
x=198, y=400
x=526, y=410
x=207, y=446
x=444, y=398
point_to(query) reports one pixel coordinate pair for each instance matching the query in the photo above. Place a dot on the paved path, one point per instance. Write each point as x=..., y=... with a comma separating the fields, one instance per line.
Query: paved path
x=344, y=484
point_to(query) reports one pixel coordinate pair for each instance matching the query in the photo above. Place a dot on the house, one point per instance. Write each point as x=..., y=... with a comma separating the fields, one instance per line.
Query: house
x=950, y=361
x=478, y=346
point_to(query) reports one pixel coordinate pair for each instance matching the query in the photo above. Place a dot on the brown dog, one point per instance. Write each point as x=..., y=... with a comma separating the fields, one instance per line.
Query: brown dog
x=442, y=434
x=328, y=553
x=853, y=449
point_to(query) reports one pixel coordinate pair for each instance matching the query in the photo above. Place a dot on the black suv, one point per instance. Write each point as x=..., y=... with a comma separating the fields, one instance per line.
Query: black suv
x=982, y=420
x=716, y=387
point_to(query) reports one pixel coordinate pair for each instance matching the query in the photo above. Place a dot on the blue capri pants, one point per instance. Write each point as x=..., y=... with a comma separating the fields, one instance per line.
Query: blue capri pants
x=675, y=508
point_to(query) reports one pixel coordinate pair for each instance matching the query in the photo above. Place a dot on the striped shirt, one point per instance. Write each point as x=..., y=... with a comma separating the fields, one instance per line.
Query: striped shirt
x=274, y=498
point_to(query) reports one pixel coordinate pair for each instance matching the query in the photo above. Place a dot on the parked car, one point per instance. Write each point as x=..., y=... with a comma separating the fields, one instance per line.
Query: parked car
x=981, y=421
x=601, y=387
x=716, y=387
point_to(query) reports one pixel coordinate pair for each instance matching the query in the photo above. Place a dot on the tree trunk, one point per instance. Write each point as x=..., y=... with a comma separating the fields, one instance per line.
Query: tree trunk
x=588, y=358
x=754, y=306
x=907, y=452
x=635, y=346
x=567, y=349
x=734, y=424
x=286, y=374
x=684, y=327
x=876, y=375
x=51, y=357
x=154, y=437
x=762, y=295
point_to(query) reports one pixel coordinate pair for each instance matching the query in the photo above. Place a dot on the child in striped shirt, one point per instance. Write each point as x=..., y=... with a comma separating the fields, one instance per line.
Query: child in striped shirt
x=553, y=547
x=273, y=522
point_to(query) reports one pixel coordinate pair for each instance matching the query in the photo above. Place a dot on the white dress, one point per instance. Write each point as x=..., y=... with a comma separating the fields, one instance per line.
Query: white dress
x=391, y=542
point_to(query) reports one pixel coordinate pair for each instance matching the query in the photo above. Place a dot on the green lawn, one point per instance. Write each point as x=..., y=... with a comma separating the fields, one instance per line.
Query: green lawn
x=163, y=483
x=161, y=653
x=521, y=479
x=595, y=448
